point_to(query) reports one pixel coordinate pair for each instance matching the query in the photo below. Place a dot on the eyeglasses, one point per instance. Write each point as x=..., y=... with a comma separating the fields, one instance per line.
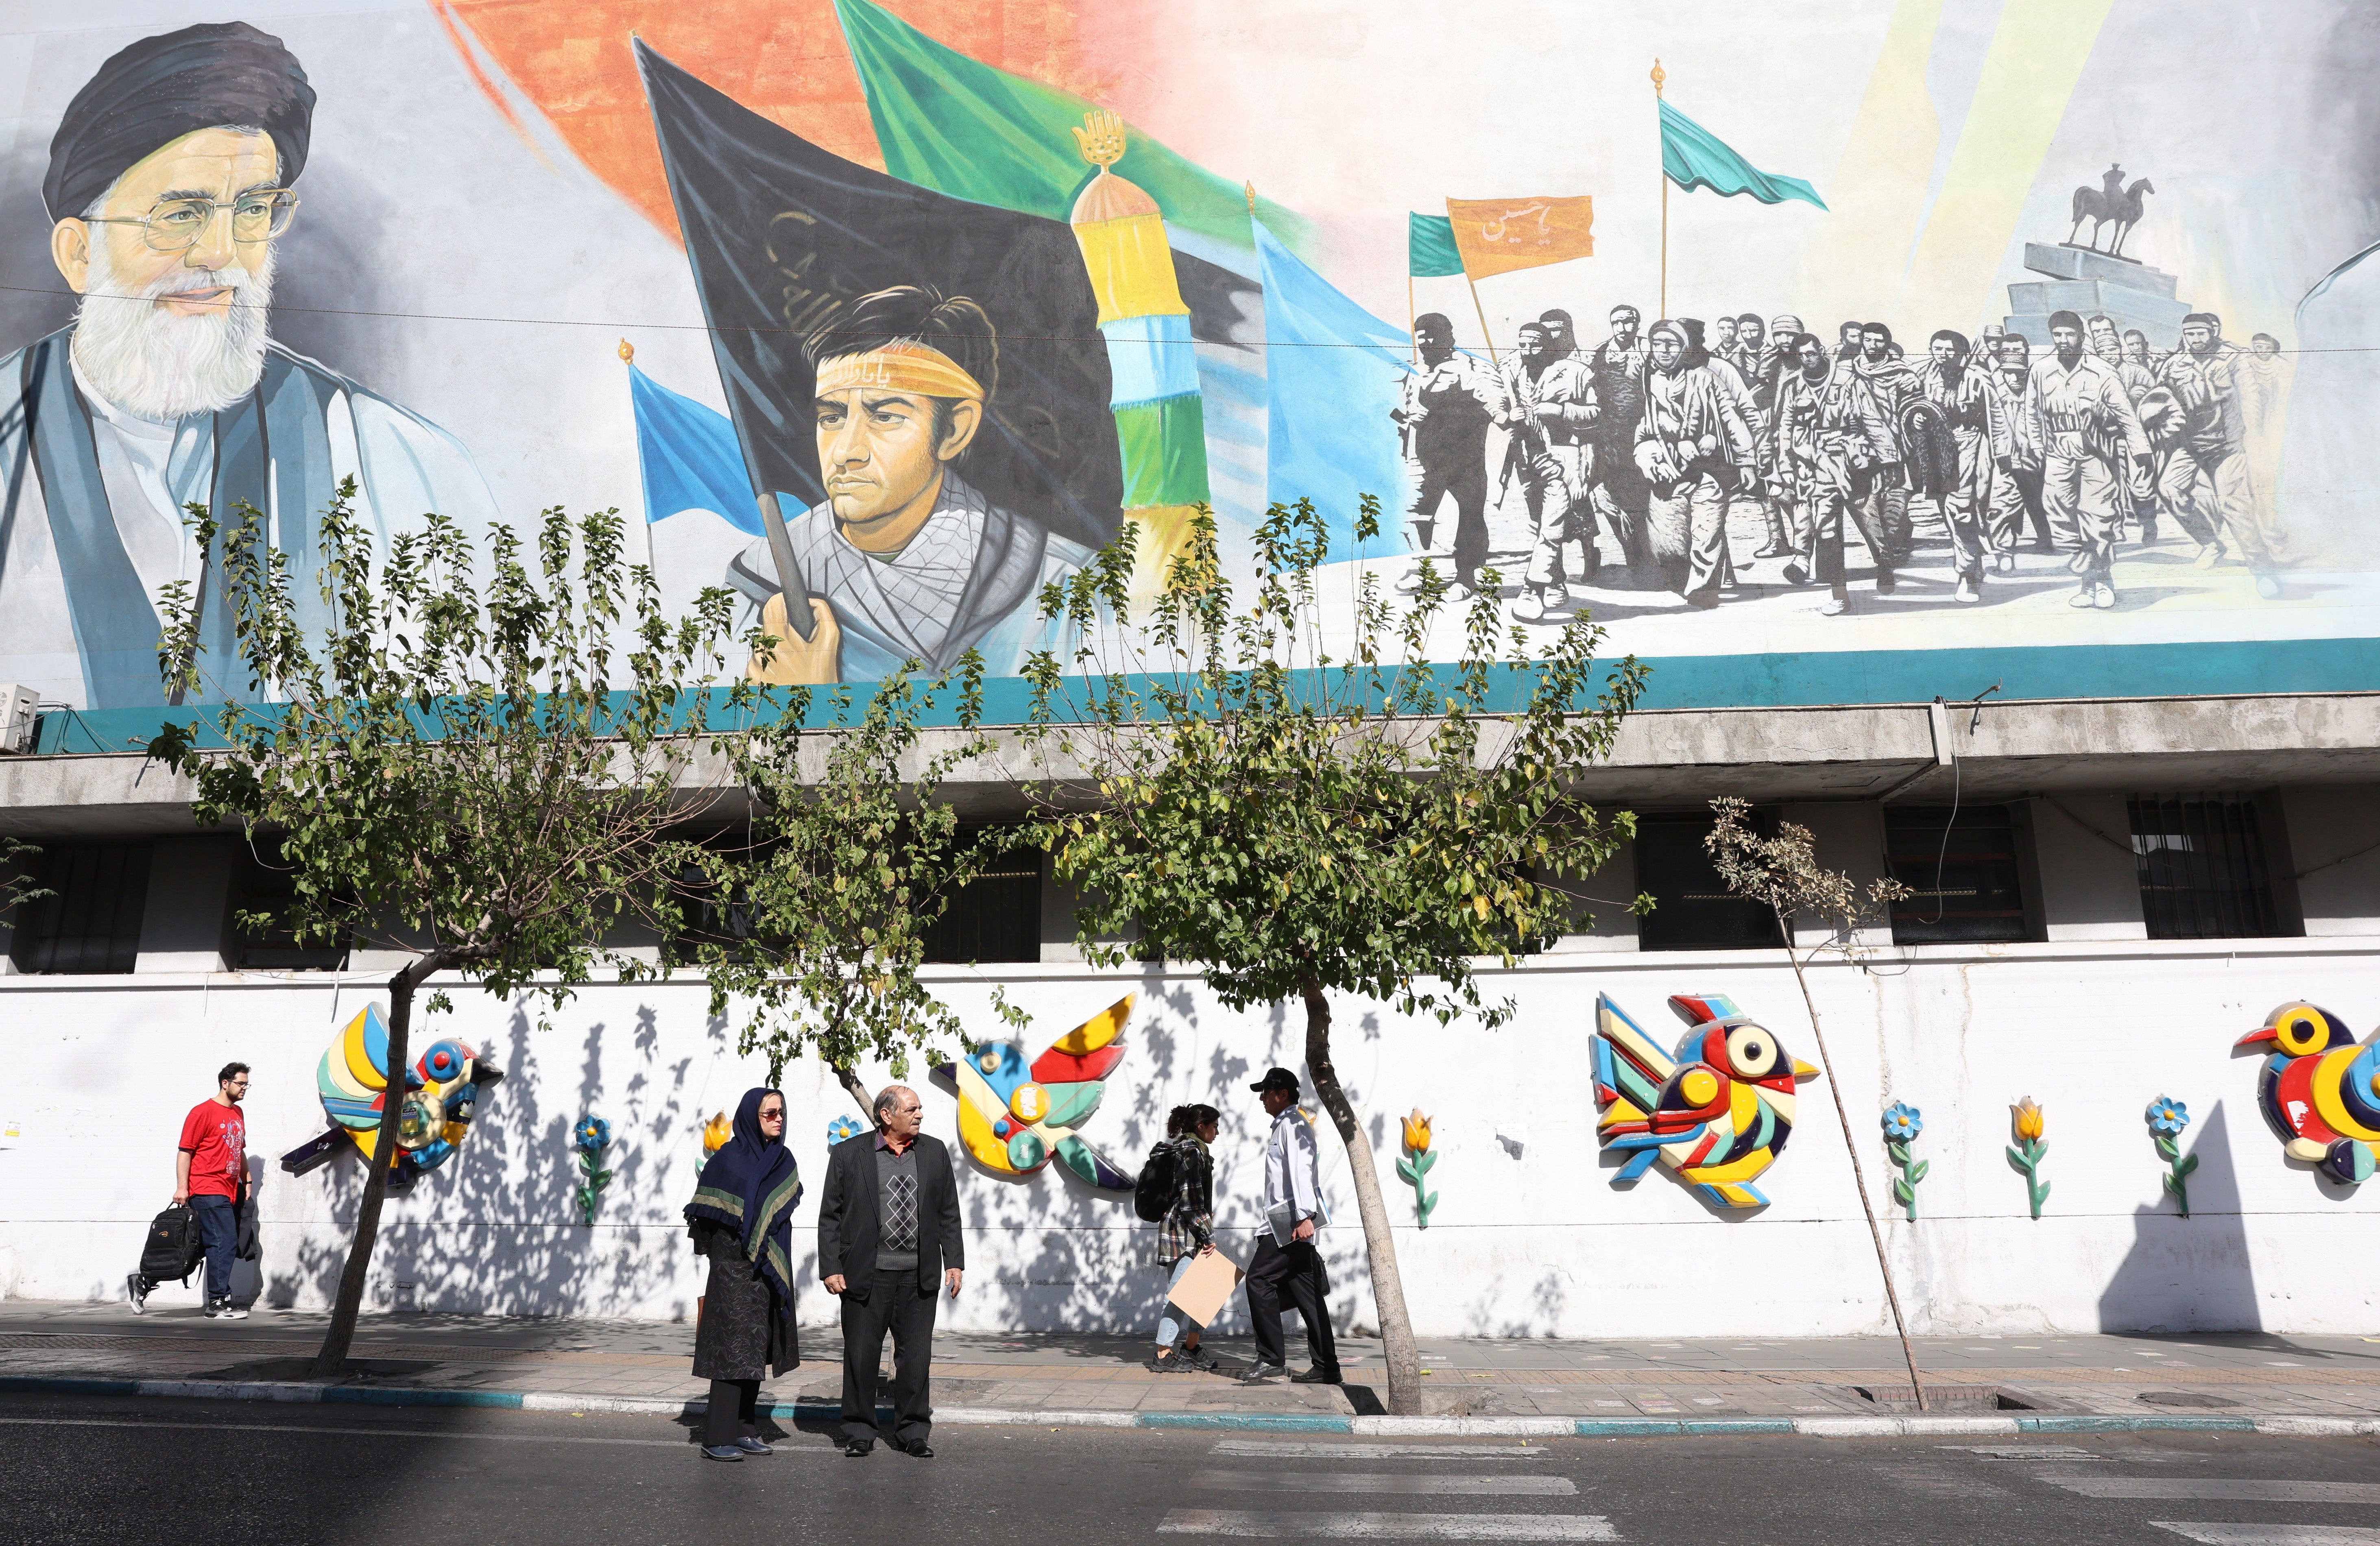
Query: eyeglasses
x=177, y=225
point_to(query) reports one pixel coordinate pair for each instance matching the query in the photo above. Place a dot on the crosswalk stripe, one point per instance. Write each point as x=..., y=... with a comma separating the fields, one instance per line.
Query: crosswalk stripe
x=2250, y=1489
x=1361, y=1482
x=2272, y=1535
x=1389, y=1526
x=1284, y=1449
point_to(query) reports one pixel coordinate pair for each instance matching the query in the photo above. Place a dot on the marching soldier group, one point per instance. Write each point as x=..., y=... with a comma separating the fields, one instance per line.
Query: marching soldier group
x=1651, y=434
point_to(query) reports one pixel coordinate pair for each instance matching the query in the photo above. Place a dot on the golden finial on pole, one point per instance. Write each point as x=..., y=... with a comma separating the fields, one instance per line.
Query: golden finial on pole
x=627, y=352
x=1660, y=75
x=1251, y=197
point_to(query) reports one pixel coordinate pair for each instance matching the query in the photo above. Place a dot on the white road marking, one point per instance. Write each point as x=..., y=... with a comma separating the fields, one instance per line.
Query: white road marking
x=1389, y=1526
x=1289, y=1449
x=2272, y=1535
x=2025, y=1452
x=2249, y=1489
x=1360, y=1481
x=398, y=1432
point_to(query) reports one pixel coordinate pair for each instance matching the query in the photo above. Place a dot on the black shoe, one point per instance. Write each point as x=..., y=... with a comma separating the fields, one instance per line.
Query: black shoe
x=135, y=1288
x=721, y=1452
x=1177, y=1363
x=917, y=1448
x=858, y=1448
x=1316, y=1377
x=754, y=1445
x=1263, y=1371
x=1204, y=1363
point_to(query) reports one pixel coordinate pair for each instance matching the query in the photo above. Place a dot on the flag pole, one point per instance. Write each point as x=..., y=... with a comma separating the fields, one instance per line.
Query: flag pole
x=653, y=561
x=1410, y=311
x=1659, y=76
x=1483, y=317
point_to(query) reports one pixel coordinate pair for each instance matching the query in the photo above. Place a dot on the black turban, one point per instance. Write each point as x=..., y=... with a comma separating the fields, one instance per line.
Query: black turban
x=214, y=75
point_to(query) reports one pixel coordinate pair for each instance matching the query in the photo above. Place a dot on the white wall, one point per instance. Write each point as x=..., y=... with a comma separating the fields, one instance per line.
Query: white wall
x=1530, y=1239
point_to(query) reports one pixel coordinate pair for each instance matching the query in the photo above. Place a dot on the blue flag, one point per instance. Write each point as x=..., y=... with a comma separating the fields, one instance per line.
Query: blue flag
x=1334, y=371
x=689, y=457
x=1695, y=157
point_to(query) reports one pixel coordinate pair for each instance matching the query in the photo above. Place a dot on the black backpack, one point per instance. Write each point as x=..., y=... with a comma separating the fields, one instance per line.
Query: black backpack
x=174, y=1249
x=1152, y=1195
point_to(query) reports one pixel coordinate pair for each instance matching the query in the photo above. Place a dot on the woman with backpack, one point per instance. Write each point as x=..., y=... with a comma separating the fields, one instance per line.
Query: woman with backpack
x=1186, y=1231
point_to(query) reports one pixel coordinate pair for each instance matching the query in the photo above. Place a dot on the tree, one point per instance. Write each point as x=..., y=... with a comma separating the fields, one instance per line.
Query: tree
x=849, y=859
x=486, y=781
x=1783, y=874
x=1303, y=825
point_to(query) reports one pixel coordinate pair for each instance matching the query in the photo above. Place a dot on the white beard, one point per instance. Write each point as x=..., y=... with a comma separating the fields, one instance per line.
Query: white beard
x=158, y=365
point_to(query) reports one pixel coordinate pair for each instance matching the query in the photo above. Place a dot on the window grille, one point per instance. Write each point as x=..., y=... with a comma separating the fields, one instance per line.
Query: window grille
x=90, y=921
x=996, y=916
x=1962, y=872
x=2201, y=868
x=1693, y=909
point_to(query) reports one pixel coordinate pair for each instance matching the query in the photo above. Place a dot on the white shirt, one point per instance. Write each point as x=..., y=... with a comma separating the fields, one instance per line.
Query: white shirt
x=1292, y=1166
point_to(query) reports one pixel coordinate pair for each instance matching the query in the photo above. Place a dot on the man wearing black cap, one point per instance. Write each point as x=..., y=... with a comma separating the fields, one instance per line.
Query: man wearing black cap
x=170, y=177
x=1286, y=1257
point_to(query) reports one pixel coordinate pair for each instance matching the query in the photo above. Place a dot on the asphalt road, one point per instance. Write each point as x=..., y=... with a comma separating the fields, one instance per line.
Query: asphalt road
x=143, y=1471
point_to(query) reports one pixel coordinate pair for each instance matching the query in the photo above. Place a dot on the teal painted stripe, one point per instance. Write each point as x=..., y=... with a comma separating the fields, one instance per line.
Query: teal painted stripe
x=2135, y=1425
x=1810, y=678
x=1272, y=1422
x=1634, y=1427
x=376, y=1395
x=1737, y=1425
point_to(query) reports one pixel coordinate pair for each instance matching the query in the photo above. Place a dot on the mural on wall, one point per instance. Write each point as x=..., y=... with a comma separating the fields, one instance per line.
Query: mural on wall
x=1717, y=1112
x=2027, y=1120
x=2319, y=1090
x=1015, y=1116
x=441, y=1093
x=588, y=1141
x=2037, y=344
x=1415, y=1165
x=1902, y=1122
x=2166, y=1118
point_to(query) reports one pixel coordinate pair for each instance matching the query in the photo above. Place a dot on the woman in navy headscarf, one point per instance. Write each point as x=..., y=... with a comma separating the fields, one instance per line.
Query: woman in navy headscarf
x=742, y=1219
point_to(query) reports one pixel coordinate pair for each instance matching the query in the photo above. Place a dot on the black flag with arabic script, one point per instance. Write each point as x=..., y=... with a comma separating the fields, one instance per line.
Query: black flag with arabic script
x=784, y=235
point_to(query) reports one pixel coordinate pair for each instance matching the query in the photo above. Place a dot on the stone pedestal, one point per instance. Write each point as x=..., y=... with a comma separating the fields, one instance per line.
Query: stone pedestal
x=2130, y=294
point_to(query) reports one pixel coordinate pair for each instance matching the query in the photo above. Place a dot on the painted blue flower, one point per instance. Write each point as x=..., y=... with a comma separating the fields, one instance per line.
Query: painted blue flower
x=592, y=1134
x=843, y=1129
x=1902, y=1122
x=2167, y=1114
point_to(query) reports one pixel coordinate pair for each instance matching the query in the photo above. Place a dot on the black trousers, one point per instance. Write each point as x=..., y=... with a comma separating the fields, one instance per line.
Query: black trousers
x=1459, y=468
x=892, y=1304
x=1298, y=1271
x=733, y=1412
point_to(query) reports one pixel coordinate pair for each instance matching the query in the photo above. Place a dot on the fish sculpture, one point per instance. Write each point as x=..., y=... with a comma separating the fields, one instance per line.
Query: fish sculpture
x=1016, y=1117
x=2319, y=1089
x=1717, y=1112
x=441, y=1093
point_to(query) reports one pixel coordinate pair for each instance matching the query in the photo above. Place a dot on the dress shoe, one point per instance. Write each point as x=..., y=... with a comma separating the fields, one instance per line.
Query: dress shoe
x=858, y=1448
x=2268, y=587
x=1885, y=582
x=721, y=1452
x=1265, y=1372
x=751, y=1445
x=1795, y=573
x=917, y=1448
x=1968, y=590
x=1316, y=1377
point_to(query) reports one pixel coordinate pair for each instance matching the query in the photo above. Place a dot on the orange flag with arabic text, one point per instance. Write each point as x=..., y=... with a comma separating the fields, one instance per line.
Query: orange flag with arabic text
x=1497, y=236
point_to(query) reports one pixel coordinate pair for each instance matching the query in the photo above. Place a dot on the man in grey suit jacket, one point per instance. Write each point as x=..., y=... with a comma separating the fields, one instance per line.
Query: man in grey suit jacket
x=887, y=1230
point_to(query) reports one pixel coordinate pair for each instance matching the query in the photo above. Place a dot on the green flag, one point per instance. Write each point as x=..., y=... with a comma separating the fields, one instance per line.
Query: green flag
x=960, y=127
x=1429, y=240
x=1695, y=157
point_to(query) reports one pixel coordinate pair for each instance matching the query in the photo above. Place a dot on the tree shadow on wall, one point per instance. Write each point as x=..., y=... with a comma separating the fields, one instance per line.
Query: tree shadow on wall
x=2188, y=1273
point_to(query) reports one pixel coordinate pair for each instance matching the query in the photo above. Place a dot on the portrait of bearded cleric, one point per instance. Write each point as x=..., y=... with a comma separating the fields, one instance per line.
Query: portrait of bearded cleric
x=171, y=176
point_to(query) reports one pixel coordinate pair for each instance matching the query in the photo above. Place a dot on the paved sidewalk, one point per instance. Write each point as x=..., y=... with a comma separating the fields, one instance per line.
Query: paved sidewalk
x=2206, y=1375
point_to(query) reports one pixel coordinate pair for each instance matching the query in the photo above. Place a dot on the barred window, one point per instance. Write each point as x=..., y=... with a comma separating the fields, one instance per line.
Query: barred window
x=265, y=882
x=2201, y=868
x=90, y=921
x=1692, y=908
x=996, y=916
x=1962, y=870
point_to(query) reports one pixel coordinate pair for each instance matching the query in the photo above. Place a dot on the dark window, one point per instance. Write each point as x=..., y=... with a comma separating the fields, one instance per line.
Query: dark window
x=264, y=883
x=1961, y=873
x=90, y=921
x=996, y=918
x=708, y=916
x=1693, y=908
x=2201, y=868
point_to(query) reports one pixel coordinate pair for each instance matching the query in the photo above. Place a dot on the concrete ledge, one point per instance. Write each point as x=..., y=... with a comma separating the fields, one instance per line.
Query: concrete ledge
x=1549, y=1427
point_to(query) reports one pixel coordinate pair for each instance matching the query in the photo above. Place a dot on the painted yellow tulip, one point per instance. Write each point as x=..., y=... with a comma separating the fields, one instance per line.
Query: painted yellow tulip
x=1418, y=1132
x=2029, y=1119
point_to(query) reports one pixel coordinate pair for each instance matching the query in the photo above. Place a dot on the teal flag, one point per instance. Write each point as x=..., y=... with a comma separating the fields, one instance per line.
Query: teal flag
x=1430, y=238
x=1695, y=157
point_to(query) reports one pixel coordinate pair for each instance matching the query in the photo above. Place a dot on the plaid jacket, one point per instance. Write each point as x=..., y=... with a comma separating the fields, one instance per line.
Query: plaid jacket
x=1189, y=1224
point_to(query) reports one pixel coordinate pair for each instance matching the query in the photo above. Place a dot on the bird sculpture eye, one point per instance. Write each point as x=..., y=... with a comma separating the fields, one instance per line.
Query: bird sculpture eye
x=1751, y=1050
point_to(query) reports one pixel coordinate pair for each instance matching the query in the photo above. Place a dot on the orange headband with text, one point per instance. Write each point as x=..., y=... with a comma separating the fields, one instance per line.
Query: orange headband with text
x=898, y=366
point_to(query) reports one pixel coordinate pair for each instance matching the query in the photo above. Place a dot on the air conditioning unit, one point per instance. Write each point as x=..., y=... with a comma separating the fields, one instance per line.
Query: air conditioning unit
x=17, y=717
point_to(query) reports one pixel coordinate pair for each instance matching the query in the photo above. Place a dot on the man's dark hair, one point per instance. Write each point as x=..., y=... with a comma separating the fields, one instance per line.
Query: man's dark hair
x=915, y=314
x=1807, y=340
x=886, y=1098
x=1555, y=316
x=1866, y=328
x=1754, y=318
x=2264, y=339
x=229, y=1072
x=2066, y=319
x=2016, y=338
x=1958, y=339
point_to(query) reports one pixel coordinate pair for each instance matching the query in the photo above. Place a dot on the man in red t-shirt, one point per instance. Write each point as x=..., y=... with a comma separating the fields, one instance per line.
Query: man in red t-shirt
x=210, y=1175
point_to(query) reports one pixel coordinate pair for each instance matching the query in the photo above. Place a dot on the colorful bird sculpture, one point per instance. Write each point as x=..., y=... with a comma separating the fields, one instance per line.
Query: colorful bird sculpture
x=1718, y=1112
x=441, y=1090
x=1015, y=1117
x=2320, y=1090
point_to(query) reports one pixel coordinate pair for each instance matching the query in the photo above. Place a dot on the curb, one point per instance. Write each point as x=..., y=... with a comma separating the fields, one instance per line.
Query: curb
x=1273, y=1422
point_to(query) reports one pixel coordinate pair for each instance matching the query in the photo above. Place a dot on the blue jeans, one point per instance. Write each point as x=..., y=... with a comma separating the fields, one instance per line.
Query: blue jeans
x=219, y=1227
x=1171, y=1323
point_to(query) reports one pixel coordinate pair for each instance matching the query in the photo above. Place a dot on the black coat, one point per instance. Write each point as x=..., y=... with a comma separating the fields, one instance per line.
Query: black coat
x=847, y=1220
x=744, y=1333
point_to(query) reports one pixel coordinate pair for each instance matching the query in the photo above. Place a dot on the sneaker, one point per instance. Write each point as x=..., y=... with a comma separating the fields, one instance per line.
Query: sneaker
x=1527, y=607
x=2082, y=596
x=135, y=1288
x=1175, y=1363
x=1316, y=1377
x=223, y=1309
x=721, y=1452
x=2103, y=596
x=2268, y=588
x=751, y=1445
x=1968, y=590
x=1835, y=605
x=1204, y=1362
x=1264, y=1372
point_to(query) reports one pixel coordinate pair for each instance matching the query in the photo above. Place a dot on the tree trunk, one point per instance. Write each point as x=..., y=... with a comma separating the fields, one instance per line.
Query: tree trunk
x=333, y=1358
x=1380, y=1245
x=859, y=1092
x=1858, y=1176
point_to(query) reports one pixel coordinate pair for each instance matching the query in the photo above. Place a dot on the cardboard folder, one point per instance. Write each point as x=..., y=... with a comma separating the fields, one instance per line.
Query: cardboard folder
x=1206, y=1287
